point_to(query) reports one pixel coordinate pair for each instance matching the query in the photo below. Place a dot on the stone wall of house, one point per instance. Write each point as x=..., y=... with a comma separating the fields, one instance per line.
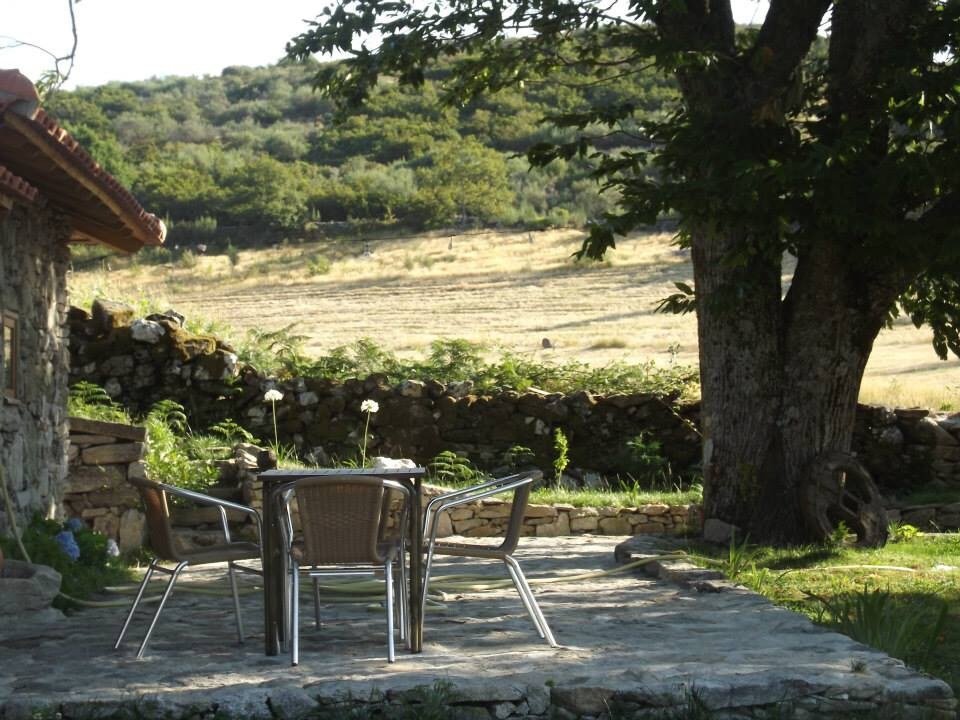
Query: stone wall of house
x=102, y=457
x=33, y=426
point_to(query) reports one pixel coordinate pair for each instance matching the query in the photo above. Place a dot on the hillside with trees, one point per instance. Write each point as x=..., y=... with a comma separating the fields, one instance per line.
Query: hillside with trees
x=255, y=153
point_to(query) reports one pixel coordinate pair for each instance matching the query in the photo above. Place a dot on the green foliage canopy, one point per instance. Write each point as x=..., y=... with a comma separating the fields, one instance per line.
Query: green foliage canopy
x=257, y=148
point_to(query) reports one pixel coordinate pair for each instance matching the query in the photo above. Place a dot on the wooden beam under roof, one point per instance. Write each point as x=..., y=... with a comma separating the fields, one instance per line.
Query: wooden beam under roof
x=58, y=171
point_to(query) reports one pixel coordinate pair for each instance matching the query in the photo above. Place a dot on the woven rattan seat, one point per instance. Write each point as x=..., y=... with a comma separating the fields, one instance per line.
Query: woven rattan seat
x=162, y=543
x=519, y=485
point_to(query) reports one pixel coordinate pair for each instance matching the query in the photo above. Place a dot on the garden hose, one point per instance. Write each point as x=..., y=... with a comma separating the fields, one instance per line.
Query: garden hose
x=357, y=590
x=351, y=591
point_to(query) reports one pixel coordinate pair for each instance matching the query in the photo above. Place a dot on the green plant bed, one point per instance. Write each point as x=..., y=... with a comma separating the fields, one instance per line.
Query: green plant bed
x=604, y=498
x=903, y=598
x=81, y=556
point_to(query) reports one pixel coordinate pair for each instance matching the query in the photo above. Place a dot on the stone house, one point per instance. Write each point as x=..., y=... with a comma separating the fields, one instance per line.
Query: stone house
x=52, y=194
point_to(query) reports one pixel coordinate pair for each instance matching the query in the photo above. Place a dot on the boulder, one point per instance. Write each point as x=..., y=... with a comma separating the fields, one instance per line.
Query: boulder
x=25, y=587
x=147, y=331
x=718, y=531
x=108, y=316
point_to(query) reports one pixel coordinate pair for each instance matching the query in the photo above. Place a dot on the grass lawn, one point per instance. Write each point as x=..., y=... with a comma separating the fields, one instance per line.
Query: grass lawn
x=615, y=498
x=903, y=598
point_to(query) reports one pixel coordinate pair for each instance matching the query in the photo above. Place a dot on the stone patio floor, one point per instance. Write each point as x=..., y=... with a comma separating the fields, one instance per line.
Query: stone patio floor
x=628, y=641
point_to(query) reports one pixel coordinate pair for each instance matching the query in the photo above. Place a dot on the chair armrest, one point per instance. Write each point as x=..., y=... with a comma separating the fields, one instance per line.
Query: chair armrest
x=445, y=502
x=472, y=493
x=221, y=505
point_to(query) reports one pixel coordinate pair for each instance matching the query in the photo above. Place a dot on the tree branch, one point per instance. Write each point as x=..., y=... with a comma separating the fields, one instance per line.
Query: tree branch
x=863, y=31
x=700, y=25
x=788, y=30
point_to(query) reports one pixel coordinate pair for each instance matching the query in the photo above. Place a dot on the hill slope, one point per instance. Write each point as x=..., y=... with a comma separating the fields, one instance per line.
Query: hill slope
x=511, y=289
x=256, y=153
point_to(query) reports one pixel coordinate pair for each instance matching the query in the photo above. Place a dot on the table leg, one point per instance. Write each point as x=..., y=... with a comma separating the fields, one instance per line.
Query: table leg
x=272, y=583
x=416, y=569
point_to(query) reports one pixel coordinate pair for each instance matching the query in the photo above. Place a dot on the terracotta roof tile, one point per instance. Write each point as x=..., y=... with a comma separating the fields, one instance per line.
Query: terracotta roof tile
x=11, y=184
x=150, y=223
x=19, y=106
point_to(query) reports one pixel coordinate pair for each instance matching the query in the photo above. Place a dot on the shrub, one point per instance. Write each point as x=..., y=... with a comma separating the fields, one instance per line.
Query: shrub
x=319, y=265
x=187, y=260
x=562, y=447
x=174, y=455
x=233, y=255
x=646, y=462
x=82, y=557
x=901, y=532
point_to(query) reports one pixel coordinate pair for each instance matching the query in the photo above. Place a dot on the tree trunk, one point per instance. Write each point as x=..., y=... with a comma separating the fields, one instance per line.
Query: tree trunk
x=738, y=328
x=780, y=380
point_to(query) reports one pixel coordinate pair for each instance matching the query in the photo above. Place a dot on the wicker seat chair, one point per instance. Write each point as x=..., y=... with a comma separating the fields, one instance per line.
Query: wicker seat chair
x=343, y=526
x=161, y=542
x=519, y=485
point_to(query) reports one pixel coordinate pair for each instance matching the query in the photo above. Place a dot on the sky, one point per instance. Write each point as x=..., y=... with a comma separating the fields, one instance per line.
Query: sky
x=129, y=40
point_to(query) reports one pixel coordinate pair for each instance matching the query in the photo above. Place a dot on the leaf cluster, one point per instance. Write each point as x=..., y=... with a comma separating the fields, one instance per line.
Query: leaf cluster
x=768, y=150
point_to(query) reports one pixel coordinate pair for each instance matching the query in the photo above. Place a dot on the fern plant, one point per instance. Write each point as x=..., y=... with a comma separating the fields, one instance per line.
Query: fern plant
x=448, y=468
x=90, y=401
x=169, y=458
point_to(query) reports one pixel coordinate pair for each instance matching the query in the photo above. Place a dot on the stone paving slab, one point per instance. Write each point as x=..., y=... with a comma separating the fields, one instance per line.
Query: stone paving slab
x=630, y=642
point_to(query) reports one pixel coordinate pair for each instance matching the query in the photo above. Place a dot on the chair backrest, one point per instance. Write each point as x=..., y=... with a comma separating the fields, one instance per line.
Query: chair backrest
x=159, y=532
x=521, y=496
x=340, y=518
x=394, y=507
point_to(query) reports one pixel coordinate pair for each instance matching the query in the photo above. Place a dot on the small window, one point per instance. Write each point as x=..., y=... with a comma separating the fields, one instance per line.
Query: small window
x=10, y=346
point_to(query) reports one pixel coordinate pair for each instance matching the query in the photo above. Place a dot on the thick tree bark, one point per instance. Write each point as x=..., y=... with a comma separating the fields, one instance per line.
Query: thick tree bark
x=780, y=376
x=780, y=380
x=738, y=326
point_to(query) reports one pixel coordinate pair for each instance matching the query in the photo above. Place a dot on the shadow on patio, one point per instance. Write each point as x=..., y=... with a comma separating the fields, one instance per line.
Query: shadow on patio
x=626, y=640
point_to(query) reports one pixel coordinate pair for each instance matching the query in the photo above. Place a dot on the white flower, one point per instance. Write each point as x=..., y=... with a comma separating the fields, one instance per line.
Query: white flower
x=273, y=396
x=369, y=406
x=113, y=549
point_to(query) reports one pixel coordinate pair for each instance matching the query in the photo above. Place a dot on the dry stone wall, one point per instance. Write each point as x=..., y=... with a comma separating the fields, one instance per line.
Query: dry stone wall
x=33, y=425
x=489, y=518
x=907, y=448
x=102, y=458
x=142, y=360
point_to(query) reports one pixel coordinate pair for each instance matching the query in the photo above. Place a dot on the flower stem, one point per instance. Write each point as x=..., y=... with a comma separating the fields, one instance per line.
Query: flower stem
x=276, y=437
x=363, y=451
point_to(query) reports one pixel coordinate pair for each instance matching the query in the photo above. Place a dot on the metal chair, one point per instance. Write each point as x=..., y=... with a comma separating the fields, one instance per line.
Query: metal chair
x=160, y=534
x=343, y=524
x=519, y=485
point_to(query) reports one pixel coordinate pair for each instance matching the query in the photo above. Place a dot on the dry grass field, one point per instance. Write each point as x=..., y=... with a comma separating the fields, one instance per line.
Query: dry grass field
x=507, y=289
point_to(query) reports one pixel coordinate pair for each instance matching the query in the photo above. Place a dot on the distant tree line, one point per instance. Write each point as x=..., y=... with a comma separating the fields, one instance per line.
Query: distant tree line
x=258, y=148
